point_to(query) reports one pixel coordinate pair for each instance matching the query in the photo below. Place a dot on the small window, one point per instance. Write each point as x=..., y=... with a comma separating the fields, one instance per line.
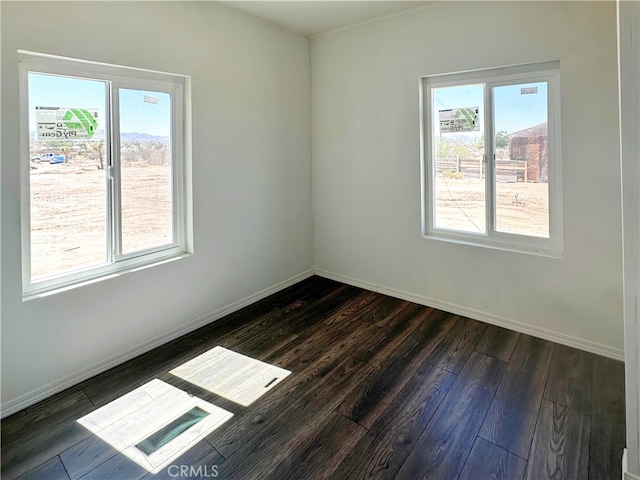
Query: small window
x=104, y=177
x=491, y=158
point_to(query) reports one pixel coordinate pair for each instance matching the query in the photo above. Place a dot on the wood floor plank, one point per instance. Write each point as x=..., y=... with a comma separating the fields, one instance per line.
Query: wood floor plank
x=607, y=420
x=20, y=457
x=270, y=311
x=354, y=308
x=261, y=344
x=295, y=315
x=498, y=342
x=443, y=447
x=50, y=470
x=202, y=462
x=383, y=312
x=56, y=404
x=317, y=375
x=380, y=453
x=320, y=310
x=120, y=380
x=454, y=350
x=308, y=291
x=117, y=467
x=365, y=403
x=269, y=448
x=304, y=289
x=83, y=457
x=511, y=420
x=271, y=317
x=377, y=348
x=267, y=321
x=570, y=379
x=285, y=431
x=70, y=404
x=319, y=455
x=305, y=348
x=317, y=340
x=489, y=462
x=260, y=325
x=382, y=305
x=560, y=445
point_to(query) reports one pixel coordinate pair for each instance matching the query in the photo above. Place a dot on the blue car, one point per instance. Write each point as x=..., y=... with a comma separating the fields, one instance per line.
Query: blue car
x=52, y=158
x=58, y=159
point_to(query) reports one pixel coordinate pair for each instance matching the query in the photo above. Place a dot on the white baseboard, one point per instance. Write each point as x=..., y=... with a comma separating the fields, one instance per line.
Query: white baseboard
x=496, y=320
x=35, y=396
x=86, y=373
x=625, y=472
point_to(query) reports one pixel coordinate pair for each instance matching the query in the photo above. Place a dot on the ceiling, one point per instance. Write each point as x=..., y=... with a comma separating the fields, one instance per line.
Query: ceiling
x=317, y=16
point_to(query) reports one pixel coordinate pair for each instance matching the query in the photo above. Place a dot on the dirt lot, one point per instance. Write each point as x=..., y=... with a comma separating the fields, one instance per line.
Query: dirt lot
x=69, y=212
x=522, y=208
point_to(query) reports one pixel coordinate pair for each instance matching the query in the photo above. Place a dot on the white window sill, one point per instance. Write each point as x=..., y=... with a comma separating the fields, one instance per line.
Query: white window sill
x=35, y=292
x=527, y=250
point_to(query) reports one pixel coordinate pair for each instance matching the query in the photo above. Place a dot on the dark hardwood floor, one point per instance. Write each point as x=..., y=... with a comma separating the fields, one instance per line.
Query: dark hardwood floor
x=380, y=388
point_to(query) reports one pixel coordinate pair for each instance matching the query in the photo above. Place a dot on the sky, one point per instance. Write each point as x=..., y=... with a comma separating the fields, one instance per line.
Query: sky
x=136, y=115
x=514, y=111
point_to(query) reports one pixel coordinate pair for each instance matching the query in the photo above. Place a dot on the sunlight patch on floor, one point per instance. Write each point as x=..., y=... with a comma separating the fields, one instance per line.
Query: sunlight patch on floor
x=156, y=418
x=231, y=375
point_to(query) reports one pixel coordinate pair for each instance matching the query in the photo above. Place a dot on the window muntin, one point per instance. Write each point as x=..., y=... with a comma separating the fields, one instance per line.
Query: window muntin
x=113, y=200
x=495, y=182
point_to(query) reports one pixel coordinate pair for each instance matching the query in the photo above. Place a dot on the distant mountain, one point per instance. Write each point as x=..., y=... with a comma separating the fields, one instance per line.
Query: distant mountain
x=134, y=137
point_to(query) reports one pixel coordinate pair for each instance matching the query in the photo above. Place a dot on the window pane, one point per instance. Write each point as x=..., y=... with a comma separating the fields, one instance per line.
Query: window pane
x=68, y=190
x=146, y=166
x=458, y=135
x=522, y=159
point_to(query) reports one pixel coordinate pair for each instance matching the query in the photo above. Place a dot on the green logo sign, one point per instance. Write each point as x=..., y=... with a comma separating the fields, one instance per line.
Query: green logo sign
x=460, y=120
x=63, y=123
x=81, y=118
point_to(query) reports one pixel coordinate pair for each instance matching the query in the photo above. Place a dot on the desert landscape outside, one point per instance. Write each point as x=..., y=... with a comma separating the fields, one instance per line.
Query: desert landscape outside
x=69, y=204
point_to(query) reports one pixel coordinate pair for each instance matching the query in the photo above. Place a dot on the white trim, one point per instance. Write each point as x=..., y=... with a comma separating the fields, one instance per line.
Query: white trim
x=91, y=69
x=625, y=472
x=116, y=78
x=546, y=334
x=628, y=26
x=489, y=79
x=35, y=396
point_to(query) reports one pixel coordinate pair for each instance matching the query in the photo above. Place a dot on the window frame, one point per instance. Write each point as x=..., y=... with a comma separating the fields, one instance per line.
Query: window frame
x=494, y=77
x=116, y=78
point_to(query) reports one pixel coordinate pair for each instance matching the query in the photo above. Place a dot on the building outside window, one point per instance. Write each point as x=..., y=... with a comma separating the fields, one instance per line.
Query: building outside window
x=491, y=158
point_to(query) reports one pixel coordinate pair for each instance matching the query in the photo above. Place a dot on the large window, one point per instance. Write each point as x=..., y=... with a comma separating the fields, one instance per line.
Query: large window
x=104, y=170
x=491, y=158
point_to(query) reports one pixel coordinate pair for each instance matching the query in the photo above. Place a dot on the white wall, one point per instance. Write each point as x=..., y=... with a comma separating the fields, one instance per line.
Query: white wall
x=366, y=166
x=251, y=180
